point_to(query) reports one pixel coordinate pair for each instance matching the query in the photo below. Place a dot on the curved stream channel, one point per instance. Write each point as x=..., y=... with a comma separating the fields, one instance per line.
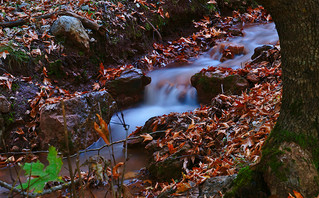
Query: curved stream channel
x=171, y=91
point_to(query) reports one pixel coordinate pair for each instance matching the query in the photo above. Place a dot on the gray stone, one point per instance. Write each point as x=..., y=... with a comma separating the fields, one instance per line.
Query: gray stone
x=209, y=84
x=129, y=87
x=72, y=29
x=5, y=105
x=85, y=8
x=45, y=28
x=212, y=186
x=24, y=5
x=80, y=116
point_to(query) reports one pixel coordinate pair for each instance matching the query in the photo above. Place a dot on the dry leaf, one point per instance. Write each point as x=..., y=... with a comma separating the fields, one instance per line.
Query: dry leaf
x=102, y=130
x=147, y=137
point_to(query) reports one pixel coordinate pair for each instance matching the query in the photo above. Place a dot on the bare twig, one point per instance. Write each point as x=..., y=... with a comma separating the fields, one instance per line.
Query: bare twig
x=157, y=32
x=48, y=191
x=79, y=173
x=66, y=136
x=125, y=155
x=83, y=151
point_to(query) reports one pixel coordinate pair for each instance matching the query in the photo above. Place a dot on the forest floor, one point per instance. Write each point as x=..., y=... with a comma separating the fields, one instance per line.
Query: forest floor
x=217, y=139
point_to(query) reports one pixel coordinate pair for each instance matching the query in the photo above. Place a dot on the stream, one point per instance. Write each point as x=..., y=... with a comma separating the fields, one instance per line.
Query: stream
x=171, y=91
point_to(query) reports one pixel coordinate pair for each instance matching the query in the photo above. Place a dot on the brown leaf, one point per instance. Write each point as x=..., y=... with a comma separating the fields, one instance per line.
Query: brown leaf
x=147, y=137
x=183, y=187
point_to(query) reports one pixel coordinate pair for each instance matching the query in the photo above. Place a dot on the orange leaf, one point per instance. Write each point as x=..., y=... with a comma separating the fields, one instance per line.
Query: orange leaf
x=297, y=194
x=102, y=130
x=182, y=187
x=171, y=148
x=115, y=174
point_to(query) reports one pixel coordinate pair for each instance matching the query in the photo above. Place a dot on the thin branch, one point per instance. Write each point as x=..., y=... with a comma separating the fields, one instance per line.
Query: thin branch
x=66, y=136
x=48, y=191
x=86, y=150
x=158, y=33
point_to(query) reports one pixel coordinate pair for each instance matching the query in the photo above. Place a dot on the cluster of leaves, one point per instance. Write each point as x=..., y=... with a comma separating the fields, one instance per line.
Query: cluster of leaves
x=36, y=17
x=107, y=74
x=118, y=14
x=221, y=138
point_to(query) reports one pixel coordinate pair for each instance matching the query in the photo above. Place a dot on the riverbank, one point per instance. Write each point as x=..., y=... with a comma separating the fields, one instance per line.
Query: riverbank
x=179, y=50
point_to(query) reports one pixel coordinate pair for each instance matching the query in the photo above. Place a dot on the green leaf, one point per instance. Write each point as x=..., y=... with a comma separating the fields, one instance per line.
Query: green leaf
x=42, y=176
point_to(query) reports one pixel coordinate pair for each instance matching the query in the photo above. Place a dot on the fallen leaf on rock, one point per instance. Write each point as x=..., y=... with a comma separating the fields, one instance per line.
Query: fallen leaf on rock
x=147, y=137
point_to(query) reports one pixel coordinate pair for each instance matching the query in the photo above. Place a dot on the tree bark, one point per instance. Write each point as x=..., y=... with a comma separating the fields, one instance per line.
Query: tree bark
x=290, y=156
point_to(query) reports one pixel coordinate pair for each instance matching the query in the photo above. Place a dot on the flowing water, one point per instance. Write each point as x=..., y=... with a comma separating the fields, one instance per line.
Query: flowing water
x=171, y=91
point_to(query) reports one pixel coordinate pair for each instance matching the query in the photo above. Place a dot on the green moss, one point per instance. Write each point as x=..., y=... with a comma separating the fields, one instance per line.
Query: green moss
x=14, y=87
x=17, y=57
x=8, y=118
x=271, y=149
x=55, y=68
x=244, y=177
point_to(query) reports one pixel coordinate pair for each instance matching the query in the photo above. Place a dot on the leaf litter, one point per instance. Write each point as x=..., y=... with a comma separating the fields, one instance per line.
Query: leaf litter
x=220, y=137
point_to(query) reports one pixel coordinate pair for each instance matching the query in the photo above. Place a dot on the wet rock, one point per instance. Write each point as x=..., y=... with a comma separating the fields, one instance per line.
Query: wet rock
x=259, y=50
x=212, y=186
x=252, y=78
x=230, y=50
x=129, y=87
x=5, y=105
x=80, y=115
x=169, y=168
x=235, y=32
x=209, y=85
x=72, y=29
x=265, y=53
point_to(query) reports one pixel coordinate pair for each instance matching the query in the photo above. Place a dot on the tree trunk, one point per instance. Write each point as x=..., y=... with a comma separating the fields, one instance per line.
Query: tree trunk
x=291, y=155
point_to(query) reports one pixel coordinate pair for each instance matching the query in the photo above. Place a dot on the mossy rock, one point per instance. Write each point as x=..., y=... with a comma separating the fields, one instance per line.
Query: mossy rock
x=209, y=85
x=166, y=170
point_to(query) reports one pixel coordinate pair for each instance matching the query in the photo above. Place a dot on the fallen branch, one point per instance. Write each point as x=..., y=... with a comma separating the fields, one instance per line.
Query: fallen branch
x=83, y=151
x=86, y=22
x=158, y=33
x=48, y=191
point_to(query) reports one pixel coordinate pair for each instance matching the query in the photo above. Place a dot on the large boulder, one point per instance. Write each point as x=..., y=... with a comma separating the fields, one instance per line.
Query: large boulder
x=210, y=84
x=5, y=105
x=73, y=30
x=128, y=88
x=80, y=115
